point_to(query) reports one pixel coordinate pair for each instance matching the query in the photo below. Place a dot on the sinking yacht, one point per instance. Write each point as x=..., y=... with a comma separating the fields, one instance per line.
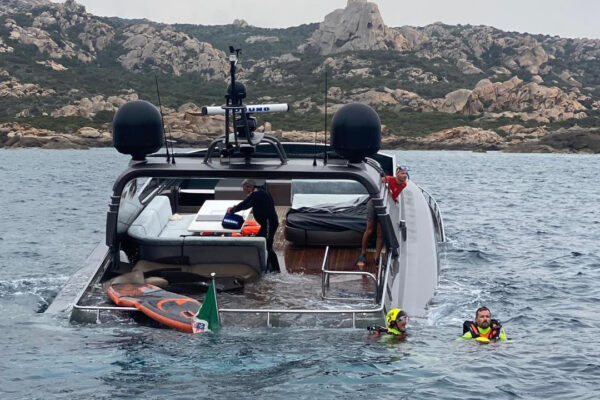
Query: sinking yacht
x=164, y=223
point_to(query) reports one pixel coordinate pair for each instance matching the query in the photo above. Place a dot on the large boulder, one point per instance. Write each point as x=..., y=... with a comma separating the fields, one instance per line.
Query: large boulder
x=89, y=107
x=167, y=50
x=516, y=133
x=464, y=137
x=461, y=101
x=13, y=88
x=357, y=27
x=513, y=98
x=51, y=31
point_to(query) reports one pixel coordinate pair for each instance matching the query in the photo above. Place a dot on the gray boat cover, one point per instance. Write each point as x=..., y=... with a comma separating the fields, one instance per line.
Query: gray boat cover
x=348, y=215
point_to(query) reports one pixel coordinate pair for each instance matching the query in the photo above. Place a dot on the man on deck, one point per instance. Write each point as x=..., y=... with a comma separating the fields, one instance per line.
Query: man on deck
x=263, y=209
x=395, y=184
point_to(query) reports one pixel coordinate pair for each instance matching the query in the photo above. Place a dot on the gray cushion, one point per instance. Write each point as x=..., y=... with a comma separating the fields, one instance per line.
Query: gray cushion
x=152, y=220
x=226, y=250
x=313, y=200
x=158, y=235
x=177, y=227
x=327, y=186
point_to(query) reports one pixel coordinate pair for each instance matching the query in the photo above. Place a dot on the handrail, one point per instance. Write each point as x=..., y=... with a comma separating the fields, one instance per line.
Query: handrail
x=437, y=213
x=325, y=274
x=273, y=141
x=353, y=311
x=104, y=308
x=378, y=309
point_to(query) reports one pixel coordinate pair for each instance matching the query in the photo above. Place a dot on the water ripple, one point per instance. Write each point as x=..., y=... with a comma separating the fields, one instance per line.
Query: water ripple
x=519, y=243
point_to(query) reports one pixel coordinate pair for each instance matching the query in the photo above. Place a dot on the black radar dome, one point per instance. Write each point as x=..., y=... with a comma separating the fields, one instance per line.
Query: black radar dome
x=240, y=90
x=138, y=129
x=356, y=132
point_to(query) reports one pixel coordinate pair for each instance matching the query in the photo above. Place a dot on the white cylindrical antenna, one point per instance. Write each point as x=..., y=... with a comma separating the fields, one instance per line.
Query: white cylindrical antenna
x=251, y=109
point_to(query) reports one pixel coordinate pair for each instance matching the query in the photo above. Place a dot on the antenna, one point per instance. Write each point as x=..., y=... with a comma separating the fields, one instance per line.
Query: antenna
x=315, y=159
x=162, y=120
x=172, y=151
x=233, y=59
x=325, y=155
x=232, y=101
x=239, y=117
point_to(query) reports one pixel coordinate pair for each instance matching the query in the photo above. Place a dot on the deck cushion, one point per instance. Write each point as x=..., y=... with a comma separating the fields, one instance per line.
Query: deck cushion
x=177, y=226
x=163, y=237
x=327, y=186
x=326, y=212
x=152, y=219
x=302, y=200
x=251, y=251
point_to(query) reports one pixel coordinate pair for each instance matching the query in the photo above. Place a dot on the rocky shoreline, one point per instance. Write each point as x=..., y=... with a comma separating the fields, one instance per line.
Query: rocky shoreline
x=192, y=130
x=445, y=87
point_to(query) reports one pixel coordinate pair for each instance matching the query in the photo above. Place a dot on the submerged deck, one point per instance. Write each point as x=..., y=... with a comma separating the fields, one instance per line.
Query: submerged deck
x=308, y=260
x=301, y=288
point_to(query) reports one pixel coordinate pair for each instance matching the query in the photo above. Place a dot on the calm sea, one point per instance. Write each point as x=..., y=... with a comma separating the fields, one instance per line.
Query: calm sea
x=524, y=239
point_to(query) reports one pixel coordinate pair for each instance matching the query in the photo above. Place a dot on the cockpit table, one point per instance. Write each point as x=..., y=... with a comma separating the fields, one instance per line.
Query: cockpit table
x=210, y=216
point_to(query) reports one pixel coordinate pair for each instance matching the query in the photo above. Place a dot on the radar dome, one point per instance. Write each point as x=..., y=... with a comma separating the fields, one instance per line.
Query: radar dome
x=138, y=129
x=356, y=132
x=240, y=91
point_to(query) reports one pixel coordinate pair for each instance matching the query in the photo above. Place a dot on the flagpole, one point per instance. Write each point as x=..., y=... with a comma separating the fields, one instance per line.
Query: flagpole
x=212, y=275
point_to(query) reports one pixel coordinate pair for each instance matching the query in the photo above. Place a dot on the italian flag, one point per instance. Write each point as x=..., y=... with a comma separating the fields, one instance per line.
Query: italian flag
x=207, y=319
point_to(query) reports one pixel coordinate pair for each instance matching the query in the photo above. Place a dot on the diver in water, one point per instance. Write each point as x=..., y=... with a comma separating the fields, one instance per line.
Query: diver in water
x=484, y=328
x=396, y=321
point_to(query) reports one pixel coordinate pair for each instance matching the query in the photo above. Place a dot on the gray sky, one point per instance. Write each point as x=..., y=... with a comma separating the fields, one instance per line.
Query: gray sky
x=567, y=18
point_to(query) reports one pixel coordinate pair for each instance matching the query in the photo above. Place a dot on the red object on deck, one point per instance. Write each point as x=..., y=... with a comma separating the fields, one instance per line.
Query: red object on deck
x=168, y=308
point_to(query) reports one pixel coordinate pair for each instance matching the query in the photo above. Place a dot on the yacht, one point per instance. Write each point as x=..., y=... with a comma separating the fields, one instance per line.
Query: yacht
x=164, y=223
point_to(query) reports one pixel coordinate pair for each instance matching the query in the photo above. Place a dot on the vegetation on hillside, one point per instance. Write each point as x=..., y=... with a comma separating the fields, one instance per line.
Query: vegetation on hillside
x=303, y=80
x=223, y=36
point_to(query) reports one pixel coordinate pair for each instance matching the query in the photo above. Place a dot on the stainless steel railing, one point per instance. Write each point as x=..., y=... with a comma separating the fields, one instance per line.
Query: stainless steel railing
x=326, y=274
x=437, y=214
x=375, y=310
x=380, y=289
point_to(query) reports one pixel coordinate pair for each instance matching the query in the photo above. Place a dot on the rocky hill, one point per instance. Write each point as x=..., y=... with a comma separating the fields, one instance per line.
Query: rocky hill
x=357, y=27
x=439, y=86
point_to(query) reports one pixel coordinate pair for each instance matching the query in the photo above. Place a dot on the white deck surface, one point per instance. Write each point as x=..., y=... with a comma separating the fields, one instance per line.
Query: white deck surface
x=210, y=215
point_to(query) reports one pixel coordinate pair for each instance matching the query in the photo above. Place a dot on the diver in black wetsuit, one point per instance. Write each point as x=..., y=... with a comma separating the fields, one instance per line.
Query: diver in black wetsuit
x=264, y=212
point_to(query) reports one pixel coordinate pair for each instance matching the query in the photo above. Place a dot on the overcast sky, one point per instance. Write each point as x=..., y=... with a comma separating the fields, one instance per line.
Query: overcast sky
x=567, y=18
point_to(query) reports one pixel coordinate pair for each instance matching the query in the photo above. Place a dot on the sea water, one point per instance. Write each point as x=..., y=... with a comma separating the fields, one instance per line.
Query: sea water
x=523, y=239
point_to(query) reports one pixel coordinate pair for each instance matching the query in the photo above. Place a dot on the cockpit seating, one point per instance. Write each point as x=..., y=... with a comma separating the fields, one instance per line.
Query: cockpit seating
x=161, y=237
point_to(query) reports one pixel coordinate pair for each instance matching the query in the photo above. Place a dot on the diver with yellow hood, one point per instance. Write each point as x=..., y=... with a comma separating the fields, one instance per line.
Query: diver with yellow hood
x=396, y=321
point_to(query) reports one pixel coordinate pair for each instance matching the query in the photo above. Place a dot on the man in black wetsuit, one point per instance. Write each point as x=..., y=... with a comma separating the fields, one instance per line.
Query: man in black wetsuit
x=264, y=212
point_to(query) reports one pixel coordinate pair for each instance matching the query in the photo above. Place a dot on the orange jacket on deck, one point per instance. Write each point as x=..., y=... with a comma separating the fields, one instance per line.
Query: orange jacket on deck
x=250, y=228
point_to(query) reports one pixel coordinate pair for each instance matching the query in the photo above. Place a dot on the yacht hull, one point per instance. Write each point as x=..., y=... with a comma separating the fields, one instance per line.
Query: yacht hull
x=64, y=303
x=414, y=285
